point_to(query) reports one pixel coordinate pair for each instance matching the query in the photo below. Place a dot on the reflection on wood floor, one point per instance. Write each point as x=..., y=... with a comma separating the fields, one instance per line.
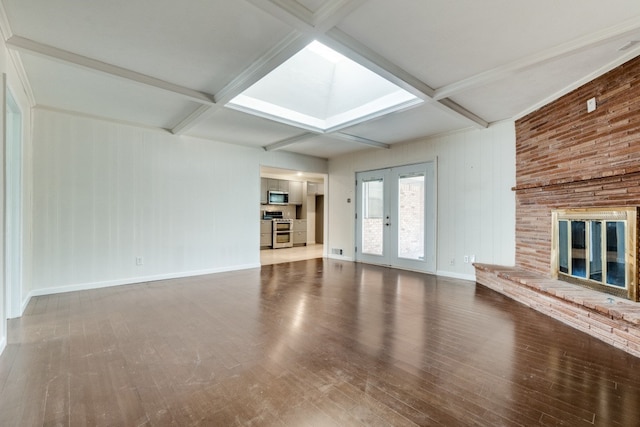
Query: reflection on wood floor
x=298, y=253
x=308, y=343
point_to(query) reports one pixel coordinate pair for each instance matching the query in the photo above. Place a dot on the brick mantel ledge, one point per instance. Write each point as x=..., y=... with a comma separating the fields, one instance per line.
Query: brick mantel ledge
x=613, y=320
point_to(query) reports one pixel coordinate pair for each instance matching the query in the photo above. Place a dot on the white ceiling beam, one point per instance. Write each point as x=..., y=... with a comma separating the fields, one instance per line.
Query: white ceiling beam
x=289, y=14
x=289, y=141
x=360, y=140
x=192, y=119
x=449, y=105
x=628, y=56
x=558, y=52
x=334, y=12
x=356, y=51
x=289, y=46
x=30, y=46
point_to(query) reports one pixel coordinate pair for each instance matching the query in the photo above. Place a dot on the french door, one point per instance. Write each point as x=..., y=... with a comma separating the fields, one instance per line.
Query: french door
x=396, y=217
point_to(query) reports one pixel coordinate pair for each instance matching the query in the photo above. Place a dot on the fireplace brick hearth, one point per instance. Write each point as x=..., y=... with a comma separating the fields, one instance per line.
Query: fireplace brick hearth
x=613, y=320
x=569, y=158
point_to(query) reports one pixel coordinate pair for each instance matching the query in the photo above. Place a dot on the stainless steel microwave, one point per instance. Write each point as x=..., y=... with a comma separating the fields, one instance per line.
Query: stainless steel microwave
x=278, y=198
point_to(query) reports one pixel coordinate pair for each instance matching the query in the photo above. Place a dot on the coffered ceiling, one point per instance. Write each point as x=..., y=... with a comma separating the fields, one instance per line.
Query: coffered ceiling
x=175, y=64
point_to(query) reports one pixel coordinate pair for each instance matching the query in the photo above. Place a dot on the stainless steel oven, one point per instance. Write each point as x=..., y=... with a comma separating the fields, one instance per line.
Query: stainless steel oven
x=282, y=233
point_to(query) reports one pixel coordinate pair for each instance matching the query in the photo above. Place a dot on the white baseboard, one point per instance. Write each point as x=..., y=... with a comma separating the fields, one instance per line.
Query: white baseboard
x=25, y=303
x=134, y=280
x=340, y=257
x=471, y=277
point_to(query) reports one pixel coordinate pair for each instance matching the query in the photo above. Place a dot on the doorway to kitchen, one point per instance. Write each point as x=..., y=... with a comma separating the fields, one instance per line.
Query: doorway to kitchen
x=292, y=215
x=396, y=217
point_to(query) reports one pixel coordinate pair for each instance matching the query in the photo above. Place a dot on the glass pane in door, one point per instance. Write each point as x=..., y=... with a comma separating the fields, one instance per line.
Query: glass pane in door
x=373, y=217
x=411, y=217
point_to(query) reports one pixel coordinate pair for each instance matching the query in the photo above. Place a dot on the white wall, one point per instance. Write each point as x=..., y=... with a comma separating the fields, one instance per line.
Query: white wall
x=15, y=85
x=106, y=193
x=476, y=207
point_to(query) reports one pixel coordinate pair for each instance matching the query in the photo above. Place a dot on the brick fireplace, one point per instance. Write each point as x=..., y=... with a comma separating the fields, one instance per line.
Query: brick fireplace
x=569, y=158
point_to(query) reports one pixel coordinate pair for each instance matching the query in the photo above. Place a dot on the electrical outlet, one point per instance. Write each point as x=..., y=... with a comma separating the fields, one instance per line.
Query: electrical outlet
x=452, y=262
x=466, y=259
x=139, y=260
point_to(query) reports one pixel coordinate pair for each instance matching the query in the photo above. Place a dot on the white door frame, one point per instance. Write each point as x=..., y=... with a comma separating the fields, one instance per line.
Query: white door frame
x=390, y=177
x=13, y=226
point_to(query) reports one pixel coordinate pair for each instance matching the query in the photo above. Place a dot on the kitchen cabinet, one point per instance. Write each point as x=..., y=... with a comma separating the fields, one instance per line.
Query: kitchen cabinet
x=283, y=185
x=295, y=192
x=299, y=231
x=271, y=184
x=266, y=228
x=264, y=190
x=312, y=188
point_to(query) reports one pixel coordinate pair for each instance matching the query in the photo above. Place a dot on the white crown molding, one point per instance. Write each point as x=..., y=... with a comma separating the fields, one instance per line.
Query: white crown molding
x=23, y=77
x=101, y=118
x=560, y=51
x=16, y=60
x=5, y=27
x=23, y=44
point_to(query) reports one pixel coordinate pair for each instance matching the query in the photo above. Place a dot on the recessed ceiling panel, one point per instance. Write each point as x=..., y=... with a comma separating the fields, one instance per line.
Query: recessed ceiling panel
x=513, y=95
x=320, y=89
x=239, y=128
x=442, y=42
x=75, y=89
x=428, y=119
x=202, y=45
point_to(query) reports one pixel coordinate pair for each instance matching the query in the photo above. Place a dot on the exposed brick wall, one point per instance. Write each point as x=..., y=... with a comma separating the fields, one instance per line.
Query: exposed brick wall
x=566, y=157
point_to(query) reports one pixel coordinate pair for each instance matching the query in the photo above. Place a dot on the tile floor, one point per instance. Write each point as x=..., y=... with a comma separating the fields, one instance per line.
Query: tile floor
x=298, y=253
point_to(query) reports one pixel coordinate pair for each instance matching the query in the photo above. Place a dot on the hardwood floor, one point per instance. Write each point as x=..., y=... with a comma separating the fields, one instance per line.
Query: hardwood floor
x=308, y=343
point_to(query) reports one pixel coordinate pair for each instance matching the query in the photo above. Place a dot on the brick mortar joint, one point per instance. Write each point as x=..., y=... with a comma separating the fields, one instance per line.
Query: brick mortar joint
x=573, y=182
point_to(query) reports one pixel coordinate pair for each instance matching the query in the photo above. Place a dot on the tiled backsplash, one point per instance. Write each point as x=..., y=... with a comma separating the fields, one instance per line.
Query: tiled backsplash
x=288, y=211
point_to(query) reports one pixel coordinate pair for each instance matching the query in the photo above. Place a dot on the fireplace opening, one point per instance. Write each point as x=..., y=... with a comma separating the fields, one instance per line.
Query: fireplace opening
x=596, y=248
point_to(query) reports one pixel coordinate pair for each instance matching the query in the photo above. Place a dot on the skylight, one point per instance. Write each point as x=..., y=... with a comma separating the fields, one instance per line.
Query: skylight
x=322, y=90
